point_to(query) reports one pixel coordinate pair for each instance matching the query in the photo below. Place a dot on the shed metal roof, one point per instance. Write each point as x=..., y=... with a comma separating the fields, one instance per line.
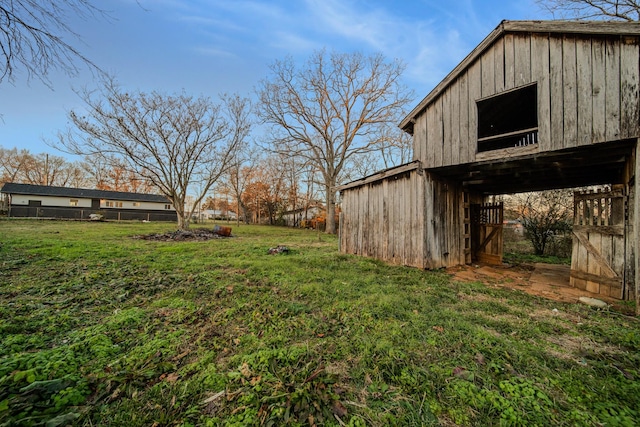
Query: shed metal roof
x=83, y=193
x=548, y=27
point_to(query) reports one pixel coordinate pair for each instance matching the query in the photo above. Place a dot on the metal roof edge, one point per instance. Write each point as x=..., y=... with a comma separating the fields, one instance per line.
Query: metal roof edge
x=44, y=190
x=406, y=167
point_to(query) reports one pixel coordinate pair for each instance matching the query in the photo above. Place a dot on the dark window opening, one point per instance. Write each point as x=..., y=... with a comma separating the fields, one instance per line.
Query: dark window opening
x=508, y=120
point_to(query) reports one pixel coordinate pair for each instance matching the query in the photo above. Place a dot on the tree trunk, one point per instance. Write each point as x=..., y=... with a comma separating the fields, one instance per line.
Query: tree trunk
x=330, y=227
x=183, y=221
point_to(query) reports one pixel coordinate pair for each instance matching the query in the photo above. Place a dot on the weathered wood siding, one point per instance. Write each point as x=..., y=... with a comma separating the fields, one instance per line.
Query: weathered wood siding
x=598, y=256
x=587, y=88
x=405, y=219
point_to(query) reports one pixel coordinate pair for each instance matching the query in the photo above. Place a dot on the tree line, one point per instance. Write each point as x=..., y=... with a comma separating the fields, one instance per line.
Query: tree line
x=22, y=166
x=261, y=188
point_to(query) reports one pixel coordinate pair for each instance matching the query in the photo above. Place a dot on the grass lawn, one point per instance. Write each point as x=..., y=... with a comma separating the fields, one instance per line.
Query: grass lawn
x=100, y=329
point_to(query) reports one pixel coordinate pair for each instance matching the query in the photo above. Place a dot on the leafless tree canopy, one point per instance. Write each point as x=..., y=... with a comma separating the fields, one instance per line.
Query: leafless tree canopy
x=625, y=10
x=179, y=143
x=33, y=36
x=39, y=169
x=330, y=110
x=238, y=177
x=543, y=214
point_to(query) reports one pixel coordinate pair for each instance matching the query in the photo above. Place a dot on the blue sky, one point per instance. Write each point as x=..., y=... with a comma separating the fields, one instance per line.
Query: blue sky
x=208, y=47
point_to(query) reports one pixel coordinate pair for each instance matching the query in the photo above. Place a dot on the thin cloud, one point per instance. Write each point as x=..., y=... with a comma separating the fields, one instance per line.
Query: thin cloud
x=428, y=47
x=212, y=51
x=293, y=43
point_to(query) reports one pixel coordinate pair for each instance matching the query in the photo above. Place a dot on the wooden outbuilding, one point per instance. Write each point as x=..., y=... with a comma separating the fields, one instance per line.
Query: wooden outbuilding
x=537, y=105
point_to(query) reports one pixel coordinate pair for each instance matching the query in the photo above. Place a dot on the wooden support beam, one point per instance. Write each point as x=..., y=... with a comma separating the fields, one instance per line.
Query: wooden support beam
x=635, y=231
x=604, y=265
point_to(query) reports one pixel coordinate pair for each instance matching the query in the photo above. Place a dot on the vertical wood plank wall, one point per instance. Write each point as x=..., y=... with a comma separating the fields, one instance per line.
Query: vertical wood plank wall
x=407, y=219
x=587, y=93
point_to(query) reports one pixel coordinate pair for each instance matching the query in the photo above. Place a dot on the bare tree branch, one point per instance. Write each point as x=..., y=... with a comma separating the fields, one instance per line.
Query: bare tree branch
x=34, y=34
x=624, y=10
x=329, y=110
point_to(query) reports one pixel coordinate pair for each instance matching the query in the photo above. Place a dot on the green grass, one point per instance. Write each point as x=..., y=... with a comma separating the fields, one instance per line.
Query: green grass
x=99, y=328
x=519, y=250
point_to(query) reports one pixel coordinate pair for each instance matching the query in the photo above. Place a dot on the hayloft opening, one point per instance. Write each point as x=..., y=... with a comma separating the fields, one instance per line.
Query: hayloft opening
x=509, y=119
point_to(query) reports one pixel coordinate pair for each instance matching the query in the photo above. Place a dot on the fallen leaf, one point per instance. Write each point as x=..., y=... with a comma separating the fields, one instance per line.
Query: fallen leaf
x=172, y=377
x=245, y=371
x=438, y=328
x=459, y=371
x=339, y=409
x=462, y=373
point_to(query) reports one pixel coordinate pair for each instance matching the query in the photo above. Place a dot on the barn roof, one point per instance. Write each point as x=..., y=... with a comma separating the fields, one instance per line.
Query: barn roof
x=46, y=190
x=506, y=27
x=387, y=173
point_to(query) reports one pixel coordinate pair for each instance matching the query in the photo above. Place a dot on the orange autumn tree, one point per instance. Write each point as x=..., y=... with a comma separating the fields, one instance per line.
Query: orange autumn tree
x=266, y=191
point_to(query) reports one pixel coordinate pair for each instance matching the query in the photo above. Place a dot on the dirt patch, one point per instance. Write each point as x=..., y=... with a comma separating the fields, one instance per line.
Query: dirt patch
x=549, y=281
x=196, y=234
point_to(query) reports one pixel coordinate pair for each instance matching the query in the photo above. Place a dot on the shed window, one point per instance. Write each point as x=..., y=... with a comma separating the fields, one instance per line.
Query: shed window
x=136, y=204
x=509, y=119
x=73, y=202
x=167, y=206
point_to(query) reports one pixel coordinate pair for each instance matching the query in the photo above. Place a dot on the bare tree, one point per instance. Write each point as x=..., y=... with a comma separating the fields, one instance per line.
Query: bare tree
x=544, y=214
x=179, y=143
x=40, y=169
x=328, y=111
x=45, y=169
x=238, y=178
x=34, y=34
x=396, y=147
x=12, y=164
x=624, y=10
x=113, y=174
